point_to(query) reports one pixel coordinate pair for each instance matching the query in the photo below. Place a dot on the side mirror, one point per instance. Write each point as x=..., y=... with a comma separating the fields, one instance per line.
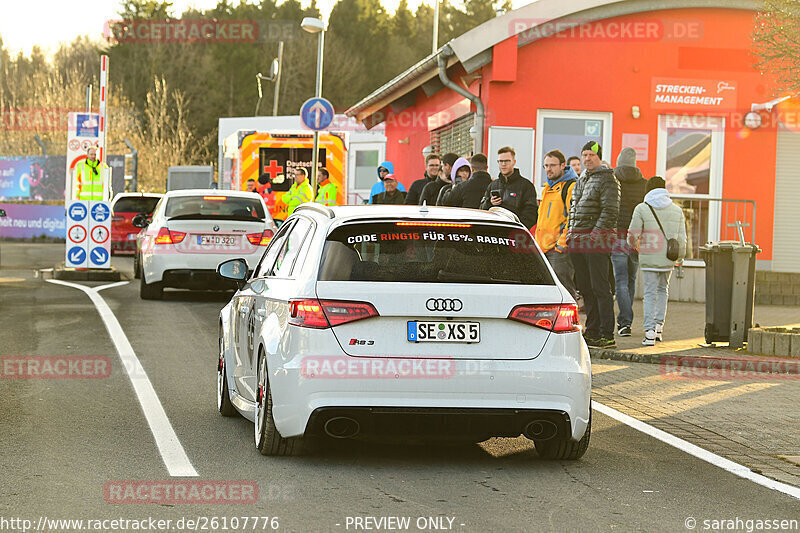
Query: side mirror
x=140, y=221
x=235, y=269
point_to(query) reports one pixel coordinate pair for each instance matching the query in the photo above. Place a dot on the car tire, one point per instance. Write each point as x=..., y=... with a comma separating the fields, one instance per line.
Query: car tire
x=268, y=440
x=564, y=449
x=137, y=267
x=150, y=291
x=224, y=404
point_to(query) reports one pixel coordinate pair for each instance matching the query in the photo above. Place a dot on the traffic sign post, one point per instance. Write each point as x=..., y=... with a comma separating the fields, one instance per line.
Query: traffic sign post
x=88, y=235
x=78, y=224
x=317, y=114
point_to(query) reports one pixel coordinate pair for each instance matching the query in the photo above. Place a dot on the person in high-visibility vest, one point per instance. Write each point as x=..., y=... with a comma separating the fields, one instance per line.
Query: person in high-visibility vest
x=300, y=192
x=327, y=190
x=89, y=177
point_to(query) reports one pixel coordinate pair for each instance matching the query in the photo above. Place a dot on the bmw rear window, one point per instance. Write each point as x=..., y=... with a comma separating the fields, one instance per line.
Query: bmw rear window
x=214, y=206
x=433, y=252
x=136, y=204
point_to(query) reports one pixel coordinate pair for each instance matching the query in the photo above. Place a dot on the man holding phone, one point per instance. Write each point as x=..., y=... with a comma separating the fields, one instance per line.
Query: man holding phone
x=511, y=191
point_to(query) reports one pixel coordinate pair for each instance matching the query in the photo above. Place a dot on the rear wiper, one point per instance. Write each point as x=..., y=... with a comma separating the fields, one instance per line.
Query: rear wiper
x=458, y=276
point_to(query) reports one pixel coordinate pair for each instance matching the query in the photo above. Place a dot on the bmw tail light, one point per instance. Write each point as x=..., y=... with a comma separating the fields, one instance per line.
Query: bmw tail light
x=310, y=313
x=555, y=318
x=260, y=239
x=165, y=236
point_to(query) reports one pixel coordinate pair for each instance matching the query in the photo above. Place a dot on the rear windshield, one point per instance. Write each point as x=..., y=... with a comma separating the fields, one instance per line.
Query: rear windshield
x=410, y=251
x=134, y=204
x=212, y=206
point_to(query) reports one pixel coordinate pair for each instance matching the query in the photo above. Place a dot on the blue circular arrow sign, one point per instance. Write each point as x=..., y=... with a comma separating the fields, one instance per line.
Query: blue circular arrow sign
x=99, y=256
x=317, y=113
x=76, y=255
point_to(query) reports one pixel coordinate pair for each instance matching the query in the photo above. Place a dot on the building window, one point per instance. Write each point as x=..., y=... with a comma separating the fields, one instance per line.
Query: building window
x=690, y=155
x=454, y=137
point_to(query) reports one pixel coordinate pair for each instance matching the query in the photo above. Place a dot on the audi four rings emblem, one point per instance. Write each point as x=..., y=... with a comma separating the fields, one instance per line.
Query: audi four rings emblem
x=444, y=304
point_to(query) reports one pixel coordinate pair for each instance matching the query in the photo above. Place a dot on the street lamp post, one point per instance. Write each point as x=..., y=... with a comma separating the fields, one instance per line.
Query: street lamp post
x=315, y=25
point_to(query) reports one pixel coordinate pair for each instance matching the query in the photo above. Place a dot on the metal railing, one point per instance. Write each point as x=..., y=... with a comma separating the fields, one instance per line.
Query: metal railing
x=715, y=219
x=354, y=198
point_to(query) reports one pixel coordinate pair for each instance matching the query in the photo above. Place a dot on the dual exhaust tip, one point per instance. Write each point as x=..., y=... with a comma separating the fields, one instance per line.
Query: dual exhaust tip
x=344, y=427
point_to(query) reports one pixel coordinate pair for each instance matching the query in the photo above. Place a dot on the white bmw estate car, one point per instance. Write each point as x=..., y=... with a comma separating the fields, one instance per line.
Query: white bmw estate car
x=403, y=321
x=192, y=231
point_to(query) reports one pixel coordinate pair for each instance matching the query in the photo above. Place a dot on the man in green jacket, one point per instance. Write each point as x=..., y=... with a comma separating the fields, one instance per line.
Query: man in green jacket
x=300, y=192
x=327, y=190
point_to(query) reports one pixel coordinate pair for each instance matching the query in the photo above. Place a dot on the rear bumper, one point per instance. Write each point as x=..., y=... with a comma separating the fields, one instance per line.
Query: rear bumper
x=196, y=279
x=476, y=424
x=190, y=270
x=492, y=397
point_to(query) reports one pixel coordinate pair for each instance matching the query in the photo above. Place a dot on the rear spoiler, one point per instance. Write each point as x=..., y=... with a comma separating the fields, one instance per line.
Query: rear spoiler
x=505, y=213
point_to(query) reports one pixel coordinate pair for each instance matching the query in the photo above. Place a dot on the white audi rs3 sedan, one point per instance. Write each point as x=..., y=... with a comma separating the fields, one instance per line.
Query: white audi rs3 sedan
x=403, y=321
x=191, y=231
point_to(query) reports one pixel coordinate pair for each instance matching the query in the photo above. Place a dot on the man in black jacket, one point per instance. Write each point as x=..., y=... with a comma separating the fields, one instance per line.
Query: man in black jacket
x=511, y=191
x=470, y=193
x=433, y=165
x=624, y=258
x=430, y=193
x=592, y=224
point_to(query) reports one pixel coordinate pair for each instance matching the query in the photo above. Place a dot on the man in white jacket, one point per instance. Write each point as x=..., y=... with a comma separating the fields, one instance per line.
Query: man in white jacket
x=645, y=234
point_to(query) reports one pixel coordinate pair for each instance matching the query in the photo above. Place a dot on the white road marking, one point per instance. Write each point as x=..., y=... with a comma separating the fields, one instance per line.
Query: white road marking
x=170, y=448
x=696, y=451
x=111, y=285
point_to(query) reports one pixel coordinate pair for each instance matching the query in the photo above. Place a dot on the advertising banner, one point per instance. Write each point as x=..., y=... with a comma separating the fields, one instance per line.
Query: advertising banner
x=27, y=221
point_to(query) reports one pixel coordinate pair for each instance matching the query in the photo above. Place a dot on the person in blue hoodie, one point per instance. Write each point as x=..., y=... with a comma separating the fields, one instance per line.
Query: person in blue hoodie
x=384, y=169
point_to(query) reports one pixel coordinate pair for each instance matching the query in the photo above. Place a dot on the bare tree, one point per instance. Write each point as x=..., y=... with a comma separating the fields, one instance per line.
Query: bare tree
x=776, y=41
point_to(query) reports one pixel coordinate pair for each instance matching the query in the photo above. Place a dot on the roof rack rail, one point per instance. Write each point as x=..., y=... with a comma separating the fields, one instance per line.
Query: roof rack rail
x=505, y=213
x=319, y=208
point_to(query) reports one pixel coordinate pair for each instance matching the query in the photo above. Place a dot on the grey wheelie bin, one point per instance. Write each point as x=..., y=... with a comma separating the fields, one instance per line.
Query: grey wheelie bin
x=730, y=288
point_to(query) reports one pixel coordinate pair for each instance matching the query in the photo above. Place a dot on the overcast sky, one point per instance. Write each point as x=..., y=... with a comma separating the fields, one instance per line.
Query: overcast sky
x=47, y=23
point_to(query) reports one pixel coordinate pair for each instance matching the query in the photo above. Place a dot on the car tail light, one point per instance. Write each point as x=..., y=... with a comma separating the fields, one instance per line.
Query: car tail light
x=165, y=236
x=555, y=318
x=312, y=313
x=215, y=198
x=261, y=239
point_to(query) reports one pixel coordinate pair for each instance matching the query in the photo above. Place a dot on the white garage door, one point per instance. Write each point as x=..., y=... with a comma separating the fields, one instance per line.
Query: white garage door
x=786, y=238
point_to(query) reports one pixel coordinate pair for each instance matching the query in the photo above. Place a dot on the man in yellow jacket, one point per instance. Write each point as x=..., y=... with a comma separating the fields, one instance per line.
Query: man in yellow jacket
x=551, y=226
x=327, y=190
x=89, y=175
x=300, y=192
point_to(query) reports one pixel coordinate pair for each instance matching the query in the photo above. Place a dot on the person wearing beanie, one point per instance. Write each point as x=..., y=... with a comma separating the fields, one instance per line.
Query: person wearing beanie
x=460, y=172
x=624, y=258
x=646, y=235
x=592, y=225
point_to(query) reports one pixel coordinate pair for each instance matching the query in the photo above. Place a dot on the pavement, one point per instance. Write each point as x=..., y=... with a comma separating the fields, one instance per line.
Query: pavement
x=684, y=341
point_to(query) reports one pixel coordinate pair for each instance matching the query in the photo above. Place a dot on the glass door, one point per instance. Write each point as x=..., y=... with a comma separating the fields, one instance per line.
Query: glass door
x=568, y=131
x=362, y=169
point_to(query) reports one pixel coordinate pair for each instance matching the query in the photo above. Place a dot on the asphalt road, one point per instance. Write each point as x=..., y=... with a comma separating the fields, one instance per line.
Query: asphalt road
x=62, y=441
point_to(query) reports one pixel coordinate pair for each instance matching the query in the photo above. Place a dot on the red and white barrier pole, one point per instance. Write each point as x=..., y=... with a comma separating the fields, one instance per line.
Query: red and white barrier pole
x=103, y=121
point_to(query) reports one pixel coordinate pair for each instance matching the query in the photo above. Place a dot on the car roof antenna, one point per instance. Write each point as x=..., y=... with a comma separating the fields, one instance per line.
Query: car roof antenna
x=423, y=209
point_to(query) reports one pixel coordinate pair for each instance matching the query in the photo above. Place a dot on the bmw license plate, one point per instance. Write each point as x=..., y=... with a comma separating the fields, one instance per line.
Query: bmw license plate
x=216, y=240
x=445, y=331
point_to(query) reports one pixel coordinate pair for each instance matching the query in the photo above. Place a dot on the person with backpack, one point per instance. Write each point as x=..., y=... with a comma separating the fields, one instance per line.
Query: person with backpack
x=551, y=226
x=658, y=231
